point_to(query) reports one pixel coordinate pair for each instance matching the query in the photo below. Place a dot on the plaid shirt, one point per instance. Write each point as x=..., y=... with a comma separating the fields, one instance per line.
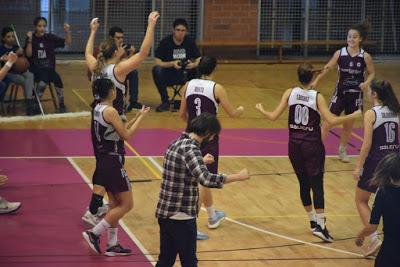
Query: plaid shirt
x=183, y=170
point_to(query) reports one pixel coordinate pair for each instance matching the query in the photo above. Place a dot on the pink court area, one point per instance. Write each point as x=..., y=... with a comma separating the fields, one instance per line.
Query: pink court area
x=153, y=142
x=47, y=230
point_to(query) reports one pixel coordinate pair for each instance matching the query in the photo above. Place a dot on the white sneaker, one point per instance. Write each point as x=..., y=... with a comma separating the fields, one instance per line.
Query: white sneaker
x=343, y=154
x=102, y=211
x=8, y=207
x=373, y=247
x=90, y=218
x=216, y=220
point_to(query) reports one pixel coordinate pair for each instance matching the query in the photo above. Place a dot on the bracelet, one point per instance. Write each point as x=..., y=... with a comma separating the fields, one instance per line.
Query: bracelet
x=8, y=64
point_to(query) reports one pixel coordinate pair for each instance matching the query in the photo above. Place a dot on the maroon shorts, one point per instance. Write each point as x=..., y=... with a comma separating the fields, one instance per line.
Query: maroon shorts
x=111, y=174
x=348, y=102
x=212, y=148
x=366, y=175
x=307, y=158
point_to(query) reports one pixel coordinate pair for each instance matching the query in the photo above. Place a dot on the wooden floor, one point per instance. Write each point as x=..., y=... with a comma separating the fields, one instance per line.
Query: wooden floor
x=267, y=225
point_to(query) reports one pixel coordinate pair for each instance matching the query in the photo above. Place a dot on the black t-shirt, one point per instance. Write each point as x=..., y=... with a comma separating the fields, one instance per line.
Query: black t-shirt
x=386, y=205
x=167, y=50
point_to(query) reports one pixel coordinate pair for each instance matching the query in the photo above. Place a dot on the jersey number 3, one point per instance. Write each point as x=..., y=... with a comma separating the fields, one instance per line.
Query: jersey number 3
x=301, y=115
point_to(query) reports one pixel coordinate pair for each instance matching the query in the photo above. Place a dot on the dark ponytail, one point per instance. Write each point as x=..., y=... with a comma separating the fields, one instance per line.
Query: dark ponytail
x=101, y=89
x=387, y=173
x=363, y=29
x=386, y=94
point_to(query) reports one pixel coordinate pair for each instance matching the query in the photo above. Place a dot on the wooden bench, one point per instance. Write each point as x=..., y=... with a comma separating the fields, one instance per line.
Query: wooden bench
x=278, y=44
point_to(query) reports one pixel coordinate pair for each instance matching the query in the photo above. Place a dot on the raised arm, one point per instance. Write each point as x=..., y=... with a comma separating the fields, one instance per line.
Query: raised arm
x=91, y=61
x=330, y=118
x=111, y=115
x=123, y=68
x=370, y=72
x=274, y=115
x=222, y=96
x=369, y=119
x=330, y=65
x=28, y=47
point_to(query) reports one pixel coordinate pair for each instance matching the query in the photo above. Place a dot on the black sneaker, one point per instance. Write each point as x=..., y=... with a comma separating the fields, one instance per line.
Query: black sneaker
x=117, y=250
x=163, y=107
x=134, y=105
x=93, y=241
x=323, y=234
x=313, y=226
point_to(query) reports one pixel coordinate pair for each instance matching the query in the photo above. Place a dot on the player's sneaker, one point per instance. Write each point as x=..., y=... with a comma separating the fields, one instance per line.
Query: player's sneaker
x=117, y=250
x=90, y=218
x=102, y=211
x=323, y=234
x=8, y=207
x=201, y=236
x=93, y=241
x=216, y=220
x=373, y=247
x=313, y=226
x=343, y=154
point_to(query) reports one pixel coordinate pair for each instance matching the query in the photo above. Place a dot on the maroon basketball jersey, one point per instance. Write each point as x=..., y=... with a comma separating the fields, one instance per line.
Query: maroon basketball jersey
x=351, y=71
x=105, y=139
x=200, y=98
x=304, y=118
x=385, y=136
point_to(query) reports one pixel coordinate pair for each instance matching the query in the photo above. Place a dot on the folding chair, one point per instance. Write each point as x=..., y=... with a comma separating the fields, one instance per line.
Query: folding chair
x=52, y=93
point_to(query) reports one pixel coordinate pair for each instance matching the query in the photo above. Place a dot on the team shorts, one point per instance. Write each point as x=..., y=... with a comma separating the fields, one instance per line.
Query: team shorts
x=307, y=157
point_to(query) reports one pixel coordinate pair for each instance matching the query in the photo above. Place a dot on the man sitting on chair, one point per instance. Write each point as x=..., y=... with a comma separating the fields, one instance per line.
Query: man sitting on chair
x=176, y=58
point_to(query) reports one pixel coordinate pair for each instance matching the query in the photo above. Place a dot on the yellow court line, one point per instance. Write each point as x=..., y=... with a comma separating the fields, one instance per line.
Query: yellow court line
x=357, y=136
x=80, y=97
x=152, y=169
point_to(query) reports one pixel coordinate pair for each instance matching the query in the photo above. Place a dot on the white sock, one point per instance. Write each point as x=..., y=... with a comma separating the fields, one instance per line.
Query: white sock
x=210, y=211
x=311, y=216
x=100, y=227
x=112, y=237
x=321, y=220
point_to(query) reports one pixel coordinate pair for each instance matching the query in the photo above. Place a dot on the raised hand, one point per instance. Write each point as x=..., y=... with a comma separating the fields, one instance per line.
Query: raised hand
x=208, y=159
x=67, y=28
x=94, y=24
x=153, y=17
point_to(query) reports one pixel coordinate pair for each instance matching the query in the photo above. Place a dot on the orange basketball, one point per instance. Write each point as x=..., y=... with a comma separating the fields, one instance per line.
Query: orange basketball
x=21, y=65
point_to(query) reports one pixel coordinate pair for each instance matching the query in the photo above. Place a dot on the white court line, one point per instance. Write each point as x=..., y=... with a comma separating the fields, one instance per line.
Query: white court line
x=150, y=158
x=45, y=117
x=279, y=235
x=121, y=222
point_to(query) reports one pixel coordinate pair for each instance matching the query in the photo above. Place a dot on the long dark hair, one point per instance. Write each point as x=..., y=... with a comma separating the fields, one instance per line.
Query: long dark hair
x=386, y=94
x=107, y=49
x=363, y=29
x=204, y=125
x=387, y=173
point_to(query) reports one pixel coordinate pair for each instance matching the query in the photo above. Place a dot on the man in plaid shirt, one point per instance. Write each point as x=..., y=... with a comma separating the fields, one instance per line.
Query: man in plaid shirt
x=177, y=208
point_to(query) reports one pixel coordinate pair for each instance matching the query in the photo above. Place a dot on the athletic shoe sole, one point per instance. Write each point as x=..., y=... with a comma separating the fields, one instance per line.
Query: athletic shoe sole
x=12, y=211
x=87, y=238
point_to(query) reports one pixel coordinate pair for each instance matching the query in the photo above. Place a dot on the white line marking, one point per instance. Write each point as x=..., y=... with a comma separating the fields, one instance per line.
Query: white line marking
x=282, y=236
x=121, y=222
x=151, y=158
x=45, y=117
x=293, y=239
x=155, y=163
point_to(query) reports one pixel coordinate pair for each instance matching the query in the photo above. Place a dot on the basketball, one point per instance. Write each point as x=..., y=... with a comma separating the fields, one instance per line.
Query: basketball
x=21, y=65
